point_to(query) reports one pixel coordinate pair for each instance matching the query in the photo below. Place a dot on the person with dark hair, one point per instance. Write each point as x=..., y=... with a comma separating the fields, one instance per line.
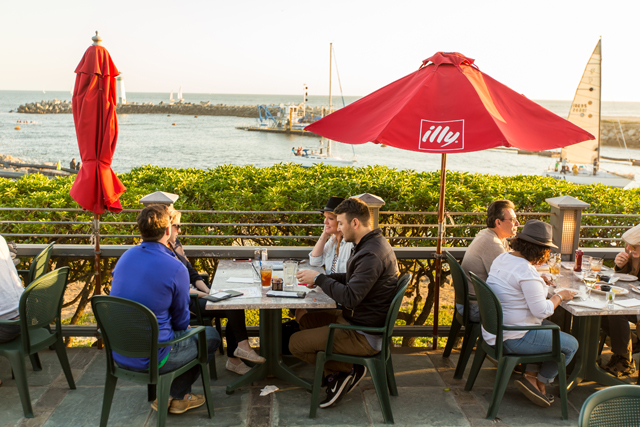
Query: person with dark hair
x=236, y=332
x=72, y=164
x=487, y=245
x=150, y=274
x=523, y=296
x=365, y=293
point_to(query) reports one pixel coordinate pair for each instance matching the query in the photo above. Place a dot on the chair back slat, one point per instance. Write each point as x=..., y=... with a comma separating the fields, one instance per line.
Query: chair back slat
x=130, y=328
x=460, y=284
x=394, y=308
x=40, y=264
x=488, y=306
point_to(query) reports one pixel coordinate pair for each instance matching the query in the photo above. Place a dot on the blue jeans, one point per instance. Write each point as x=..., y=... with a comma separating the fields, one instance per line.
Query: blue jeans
x=540, y=341
x=183, y=353
x=474, y=311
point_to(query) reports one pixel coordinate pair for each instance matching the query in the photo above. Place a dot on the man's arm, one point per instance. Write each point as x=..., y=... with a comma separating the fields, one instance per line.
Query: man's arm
x=367, y=270
x=179, y=309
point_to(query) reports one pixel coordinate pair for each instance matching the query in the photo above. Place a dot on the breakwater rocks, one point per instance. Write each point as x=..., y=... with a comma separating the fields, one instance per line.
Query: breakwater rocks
x=616, y=134
x=183, y=108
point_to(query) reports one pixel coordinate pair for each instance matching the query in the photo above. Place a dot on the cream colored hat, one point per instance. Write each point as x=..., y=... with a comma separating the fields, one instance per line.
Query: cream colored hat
x=632, y=236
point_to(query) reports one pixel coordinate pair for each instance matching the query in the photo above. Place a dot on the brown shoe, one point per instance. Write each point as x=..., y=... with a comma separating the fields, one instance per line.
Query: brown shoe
x=179, y=406
x=154, y=404
x=619, y=366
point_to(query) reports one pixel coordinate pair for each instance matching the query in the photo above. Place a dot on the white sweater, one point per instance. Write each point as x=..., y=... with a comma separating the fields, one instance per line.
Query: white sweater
x=522, y=293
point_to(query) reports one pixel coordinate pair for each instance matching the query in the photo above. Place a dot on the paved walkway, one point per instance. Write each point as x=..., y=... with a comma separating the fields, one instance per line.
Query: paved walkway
x=429, y=396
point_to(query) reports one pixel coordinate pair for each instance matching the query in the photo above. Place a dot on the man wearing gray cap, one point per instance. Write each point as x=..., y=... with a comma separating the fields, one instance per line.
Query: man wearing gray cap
x=617, y=327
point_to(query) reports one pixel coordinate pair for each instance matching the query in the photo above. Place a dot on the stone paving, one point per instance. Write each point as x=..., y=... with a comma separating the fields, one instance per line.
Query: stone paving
x=429, y=396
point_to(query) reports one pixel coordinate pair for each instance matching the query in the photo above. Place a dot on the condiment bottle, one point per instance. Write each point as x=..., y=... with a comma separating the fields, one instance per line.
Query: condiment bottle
x=578, y=264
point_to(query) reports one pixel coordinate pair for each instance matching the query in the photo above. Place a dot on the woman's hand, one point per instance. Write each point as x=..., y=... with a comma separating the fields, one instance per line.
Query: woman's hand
x=566, y=294
x=621, y=259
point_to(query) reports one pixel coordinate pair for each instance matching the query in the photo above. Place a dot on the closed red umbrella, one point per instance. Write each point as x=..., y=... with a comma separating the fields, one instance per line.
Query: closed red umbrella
x=448, y=106
x=96, y=187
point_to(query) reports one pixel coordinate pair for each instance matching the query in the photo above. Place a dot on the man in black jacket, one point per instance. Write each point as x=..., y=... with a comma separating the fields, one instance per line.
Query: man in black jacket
x=365, y=293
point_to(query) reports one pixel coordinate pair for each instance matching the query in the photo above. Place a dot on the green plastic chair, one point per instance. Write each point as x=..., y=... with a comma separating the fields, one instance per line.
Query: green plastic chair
x=131, y=329
x=471, y=329
x=614, y=406
x=380, y=365
x=39, y=265
x=491, y=319
x=40, y=305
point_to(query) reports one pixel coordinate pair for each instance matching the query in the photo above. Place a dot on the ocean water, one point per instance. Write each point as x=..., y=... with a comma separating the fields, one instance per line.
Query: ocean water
x=207, y=141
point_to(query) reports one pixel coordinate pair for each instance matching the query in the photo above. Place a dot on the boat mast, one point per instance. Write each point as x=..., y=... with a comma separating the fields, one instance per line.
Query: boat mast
x=329, y=142
x=600, y=104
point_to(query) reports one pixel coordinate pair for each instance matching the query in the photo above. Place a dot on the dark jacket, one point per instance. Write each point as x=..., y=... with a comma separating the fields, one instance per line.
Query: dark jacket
x=366, y=290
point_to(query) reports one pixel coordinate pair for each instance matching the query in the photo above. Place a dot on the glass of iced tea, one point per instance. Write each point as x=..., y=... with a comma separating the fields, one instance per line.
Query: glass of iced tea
x=265, y=274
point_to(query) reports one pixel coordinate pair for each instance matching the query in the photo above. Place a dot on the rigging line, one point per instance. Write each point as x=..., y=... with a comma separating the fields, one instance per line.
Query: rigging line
x=338, y=75
x=626, y=149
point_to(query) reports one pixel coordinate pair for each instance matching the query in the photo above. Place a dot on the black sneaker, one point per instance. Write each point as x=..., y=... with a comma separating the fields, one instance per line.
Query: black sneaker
x=337, y=384
x=357, y=372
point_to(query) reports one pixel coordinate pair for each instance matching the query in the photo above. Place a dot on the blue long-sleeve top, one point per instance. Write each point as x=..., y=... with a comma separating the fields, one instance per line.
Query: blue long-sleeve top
x=151, y=275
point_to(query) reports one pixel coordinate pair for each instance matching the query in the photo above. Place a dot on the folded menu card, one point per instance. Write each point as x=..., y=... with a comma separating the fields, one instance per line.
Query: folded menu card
x=599, y=305
x=633, y=302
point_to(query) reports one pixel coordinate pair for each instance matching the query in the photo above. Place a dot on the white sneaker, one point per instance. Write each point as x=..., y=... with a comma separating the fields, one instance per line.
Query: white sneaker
x=250, y=355
x=239, y=369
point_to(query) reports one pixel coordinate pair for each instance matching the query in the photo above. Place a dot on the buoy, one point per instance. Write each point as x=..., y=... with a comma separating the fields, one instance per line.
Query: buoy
x=168, y=115
x=173, y=124
x=17, y=128
x=196, y=117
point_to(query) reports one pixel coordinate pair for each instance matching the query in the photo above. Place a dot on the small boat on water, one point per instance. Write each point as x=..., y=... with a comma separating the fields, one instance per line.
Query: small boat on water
x=583, y=159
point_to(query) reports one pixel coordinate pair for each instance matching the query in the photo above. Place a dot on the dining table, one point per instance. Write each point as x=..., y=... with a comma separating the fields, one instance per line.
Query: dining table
x=587, y=311
x=242, y=276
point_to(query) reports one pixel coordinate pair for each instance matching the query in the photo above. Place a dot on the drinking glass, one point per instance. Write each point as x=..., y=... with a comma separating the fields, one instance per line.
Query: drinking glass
x=554, y=265
x=611, y=296
x=596, y=264
x=265, y=274
x=586, y=263
x=584, y=292
x=289, y=270
x=590, y=278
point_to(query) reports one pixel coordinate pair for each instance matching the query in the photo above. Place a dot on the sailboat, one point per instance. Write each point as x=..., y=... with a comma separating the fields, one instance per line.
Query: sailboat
x=323, y=153
x=180, y=99
x=586, y=113
x=171, y=98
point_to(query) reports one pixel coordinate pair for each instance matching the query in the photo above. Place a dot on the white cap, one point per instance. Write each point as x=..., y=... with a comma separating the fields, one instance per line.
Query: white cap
x=632, y=236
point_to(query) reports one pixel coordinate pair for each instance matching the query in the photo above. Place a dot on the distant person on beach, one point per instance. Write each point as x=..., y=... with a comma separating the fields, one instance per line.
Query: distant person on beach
x=565, y=168
x=150, y=274
x=78, y=166
x=574, y=169
x=487, y=245
x=617, y=327
x=72, y=165
x=236, y=333
x=557, y=165
x=595, y=166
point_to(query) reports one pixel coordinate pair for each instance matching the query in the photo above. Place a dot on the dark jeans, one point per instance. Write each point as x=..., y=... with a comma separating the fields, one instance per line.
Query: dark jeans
x=9, y=332
x=236, y=330
x=617, y=327
x=181, y=354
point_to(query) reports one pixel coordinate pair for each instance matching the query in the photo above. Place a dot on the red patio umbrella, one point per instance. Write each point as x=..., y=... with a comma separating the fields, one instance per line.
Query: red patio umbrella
x=96, y=187
x=448, y=106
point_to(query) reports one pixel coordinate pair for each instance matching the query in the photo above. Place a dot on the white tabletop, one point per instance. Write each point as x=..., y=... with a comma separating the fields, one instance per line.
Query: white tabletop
x=567, y=279
x=315, y=298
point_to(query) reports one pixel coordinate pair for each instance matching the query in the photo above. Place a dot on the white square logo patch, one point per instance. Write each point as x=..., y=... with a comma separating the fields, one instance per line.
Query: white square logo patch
x=441, y=136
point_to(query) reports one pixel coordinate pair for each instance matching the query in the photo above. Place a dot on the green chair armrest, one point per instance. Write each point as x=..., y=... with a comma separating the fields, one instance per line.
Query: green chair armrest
x=530, y=328
x=23, y=271
x=192, y=332
x=473, y=298
x=333, y=326
x=10, y=322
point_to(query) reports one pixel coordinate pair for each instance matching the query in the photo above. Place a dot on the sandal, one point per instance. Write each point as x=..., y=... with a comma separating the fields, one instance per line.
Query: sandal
x=619, y=366
x=532, y=393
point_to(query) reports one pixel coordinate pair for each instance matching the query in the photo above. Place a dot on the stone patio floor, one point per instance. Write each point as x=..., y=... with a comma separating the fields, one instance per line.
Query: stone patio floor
x=429, y=396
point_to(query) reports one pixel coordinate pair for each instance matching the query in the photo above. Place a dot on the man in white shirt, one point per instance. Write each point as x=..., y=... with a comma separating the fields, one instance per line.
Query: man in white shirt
x=487, y=245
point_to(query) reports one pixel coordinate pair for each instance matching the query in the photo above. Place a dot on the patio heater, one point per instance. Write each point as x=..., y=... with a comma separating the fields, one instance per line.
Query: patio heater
x=566, y=213
x=374, y=203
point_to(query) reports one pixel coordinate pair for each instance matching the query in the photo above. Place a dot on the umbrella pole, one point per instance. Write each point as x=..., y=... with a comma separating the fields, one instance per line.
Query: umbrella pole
x=436, y=309
x=96, y=262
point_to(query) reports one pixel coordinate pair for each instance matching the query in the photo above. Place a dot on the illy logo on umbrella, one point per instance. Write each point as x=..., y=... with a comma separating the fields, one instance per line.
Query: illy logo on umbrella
x=441, y=136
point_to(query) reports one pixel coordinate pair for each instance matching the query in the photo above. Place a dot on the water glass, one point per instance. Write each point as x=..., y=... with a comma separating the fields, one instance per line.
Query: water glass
x=255, y=268
x=289, y=270
x=586, y=263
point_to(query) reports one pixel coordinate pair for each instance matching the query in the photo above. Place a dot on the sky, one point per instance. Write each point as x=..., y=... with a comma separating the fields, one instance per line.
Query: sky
x=539, y=48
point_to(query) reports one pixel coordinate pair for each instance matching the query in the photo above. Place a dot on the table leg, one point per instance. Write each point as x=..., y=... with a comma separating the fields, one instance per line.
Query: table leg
x=586, y=367
x=270, y=349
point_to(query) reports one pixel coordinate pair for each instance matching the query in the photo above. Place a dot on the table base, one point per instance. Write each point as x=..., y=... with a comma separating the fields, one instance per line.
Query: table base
x=586, y=367
x=270, y=349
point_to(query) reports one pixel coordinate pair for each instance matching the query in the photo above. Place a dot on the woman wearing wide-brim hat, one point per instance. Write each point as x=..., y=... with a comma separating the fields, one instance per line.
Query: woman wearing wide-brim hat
x=523, y=296
x=617, y=327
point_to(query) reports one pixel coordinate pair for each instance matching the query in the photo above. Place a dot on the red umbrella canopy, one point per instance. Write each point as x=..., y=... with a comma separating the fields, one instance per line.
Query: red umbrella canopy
x=448, y=105
x=96, y=187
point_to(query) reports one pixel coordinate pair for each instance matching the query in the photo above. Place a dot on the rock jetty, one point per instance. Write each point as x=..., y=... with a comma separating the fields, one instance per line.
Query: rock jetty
x=182, y=108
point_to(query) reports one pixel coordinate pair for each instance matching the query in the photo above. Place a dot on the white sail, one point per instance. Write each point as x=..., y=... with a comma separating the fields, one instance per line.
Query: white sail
x=180, y=94
x=171, y=97
x=585, y=111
